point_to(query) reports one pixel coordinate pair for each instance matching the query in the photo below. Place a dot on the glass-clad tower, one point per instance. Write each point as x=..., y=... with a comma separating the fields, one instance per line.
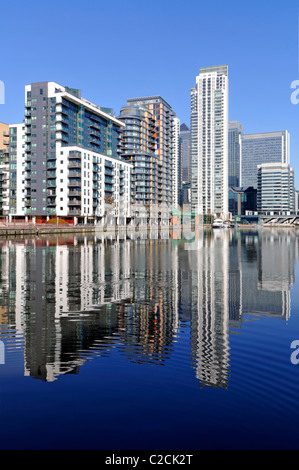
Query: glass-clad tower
x=235, y=131
x=257, y=149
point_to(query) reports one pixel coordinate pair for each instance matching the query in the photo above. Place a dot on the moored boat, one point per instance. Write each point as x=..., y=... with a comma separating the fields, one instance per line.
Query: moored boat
x=218, y=223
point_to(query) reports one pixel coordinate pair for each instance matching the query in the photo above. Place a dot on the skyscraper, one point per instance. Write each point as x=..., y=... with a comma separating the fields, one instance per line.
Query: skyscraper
x=209, y=141
x=257, y=149
x=185, y=160
x=150, y=142
x=235, y=131
x=185, y=151
x=138, y=148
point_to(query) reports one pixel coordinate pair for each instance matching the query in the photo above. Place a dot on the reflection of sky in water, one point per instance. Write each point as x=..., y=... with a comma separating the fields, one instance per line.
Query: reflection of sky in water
x=201, y=327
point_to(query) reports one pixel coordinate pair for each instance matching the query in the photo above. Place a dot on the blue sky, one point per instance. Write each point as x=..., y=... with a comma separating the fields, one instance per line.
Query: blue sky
x=125, y=49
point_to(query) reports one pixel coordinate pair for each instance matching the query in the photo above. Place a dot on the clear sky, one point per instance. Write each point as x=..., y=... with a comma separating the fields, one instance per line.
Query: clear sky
x=114, y=50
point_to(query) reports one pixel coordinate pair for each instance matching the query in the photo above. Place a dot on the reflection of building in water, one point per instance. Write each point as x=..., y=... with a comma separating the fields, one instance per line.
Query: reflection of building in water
x=268, y=273
x=72, y=300
x=4, y=284
x=276, y=262
x=150, y=323
x=79, y=298
x=209, y=265
x=54, y=287
x=235, y=283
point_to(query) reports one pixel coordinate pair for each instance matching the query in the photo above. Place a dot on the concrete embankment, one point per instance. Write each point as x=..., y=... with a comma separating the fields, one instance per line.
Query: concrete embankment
x=19, y=231
x=23, y=232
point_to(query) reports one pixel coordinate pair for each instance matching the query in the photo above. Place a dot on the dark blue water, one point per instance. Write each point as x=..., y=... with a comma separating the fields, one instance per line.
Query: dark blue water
x=150, y=342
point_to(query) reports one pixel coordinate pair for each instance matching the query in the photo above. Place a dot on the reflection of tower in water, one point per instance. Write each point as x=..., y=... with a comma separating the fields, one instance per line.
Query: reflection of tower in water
x=209, y=265
x=59, y=288
x=150, y=322
x=268, y=273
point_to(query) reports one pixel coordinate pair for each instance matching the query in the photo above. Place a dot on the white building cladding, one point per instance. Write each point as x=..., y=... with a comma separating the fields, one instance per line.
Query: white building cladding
x=94, y=183
x=72, y=149
x=275, y=189
x=17, y=169
x=176, y=179
x=209, y=141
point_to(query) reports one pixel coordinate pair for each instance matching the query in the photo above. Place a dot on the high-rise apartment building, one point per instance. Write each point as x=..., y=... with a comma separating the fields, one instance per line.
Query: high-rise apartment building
x=72, y=163
x=275, y=189
x=185, y=159
x=185, y=152
x=150, y=142
x=138, y=148
x=235, y=131
x=257, y=149
x=177, y=164
x=209, y=142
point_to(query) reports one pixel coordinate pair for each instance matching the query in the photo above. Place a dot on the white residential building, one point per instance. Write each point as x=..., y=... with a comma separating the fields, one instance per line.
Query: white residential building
x=17, y=169
x=209, y=142
x=176, y=179
x=73, y=167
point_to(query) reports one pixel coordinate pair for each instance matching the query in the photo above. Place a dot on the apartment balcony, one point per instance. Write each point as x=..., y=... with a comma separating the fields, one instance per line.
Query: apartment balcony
x=75, y=155
x=109, y=172
x=74, y=202
x=74, y=164
x=109, y=189
x=51, y=202
x=76, y=193
x=94, y=125
x=74, y=174
x=74, y=183
x=108, y=164
x=75, y=212
x=61, y=137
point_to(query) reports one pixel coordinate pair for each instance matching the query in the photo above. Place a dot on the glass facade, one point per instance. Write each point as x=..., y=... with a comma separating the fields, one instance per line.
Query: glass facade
x=256, y=149
x=276, y=191
x=235, y=130
x=185, y=163
x=242, y=200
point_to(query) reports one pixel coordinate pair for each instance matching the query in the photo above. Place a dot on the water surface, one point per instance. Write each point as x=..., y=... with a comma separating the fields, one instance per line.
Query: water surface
x=149, y=341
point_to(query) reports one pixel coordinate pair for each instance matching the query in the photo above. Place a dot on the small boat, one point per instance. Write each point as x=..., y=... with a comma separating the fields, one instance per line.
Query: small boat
x=218, y=223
